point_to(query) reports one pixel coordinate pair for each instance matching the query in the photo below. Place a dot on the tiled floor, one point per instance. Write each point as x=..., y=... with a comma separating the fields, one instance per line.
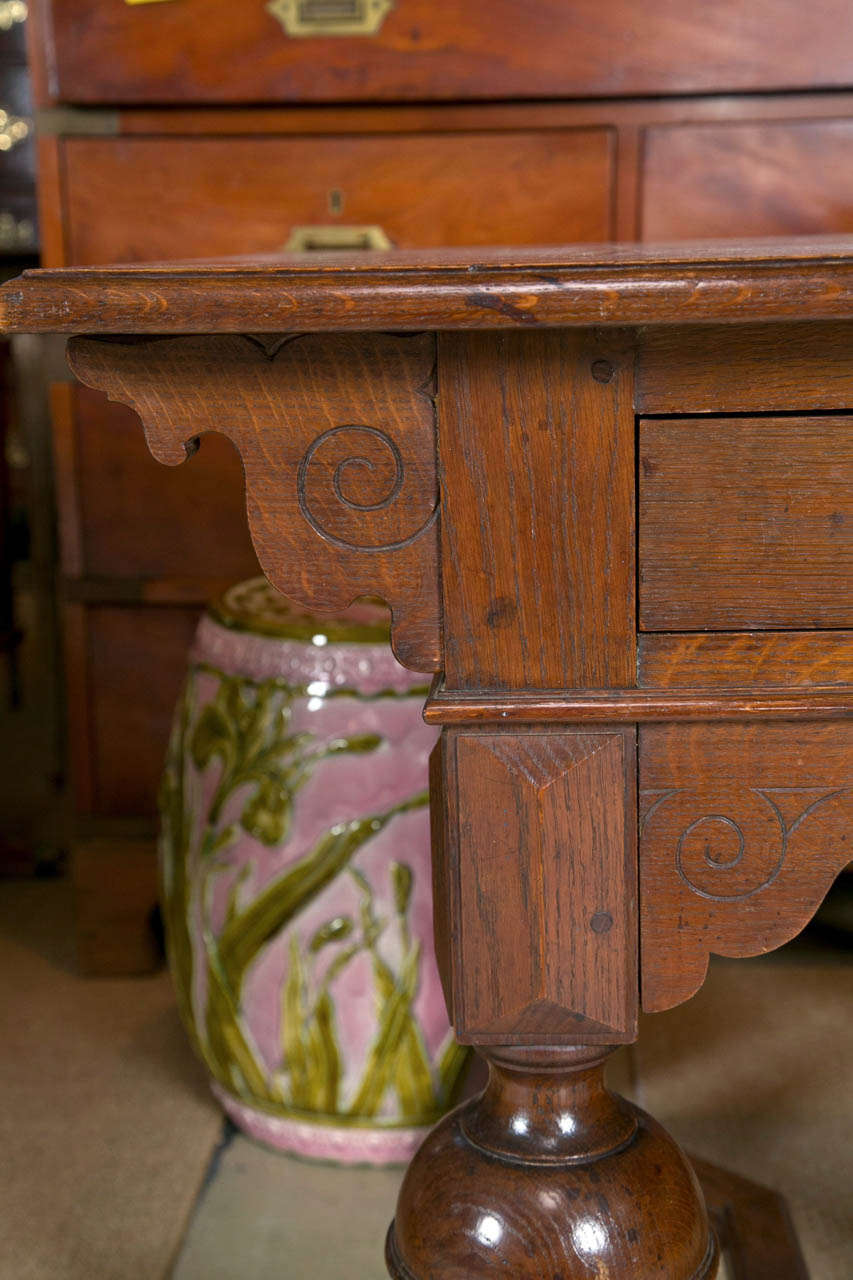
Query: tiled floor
x=117, y=1165
x=264, y=1216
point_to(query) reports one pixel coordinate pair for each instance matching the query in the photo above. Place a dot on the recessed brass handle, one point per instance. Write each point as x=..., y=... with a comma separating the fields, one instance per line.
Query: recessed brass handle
x=143, y=1
x=336, y=238
x=330, y=17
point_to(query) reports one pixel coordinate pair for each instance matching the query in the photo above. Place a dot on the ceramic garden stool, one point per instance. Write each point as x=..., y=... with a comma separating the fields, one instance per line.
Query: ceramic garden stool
x=296, y=890
x=606, y=493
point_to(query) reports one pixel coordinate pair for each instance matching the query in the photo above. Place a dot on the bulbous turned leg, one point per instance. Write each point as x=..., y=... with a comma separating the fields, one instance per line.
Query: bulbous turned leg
x=547, y=1175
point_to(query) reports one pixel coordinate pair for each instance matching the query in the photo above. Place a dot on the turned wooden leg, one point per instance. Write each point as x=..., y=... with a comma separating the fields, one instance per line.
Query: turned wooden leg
x=549, y=1175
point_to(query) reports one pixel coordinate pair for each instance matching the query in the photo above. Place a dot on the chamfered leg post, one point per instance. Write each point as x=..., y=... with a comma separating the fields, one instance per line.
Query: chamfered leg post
x=546, y=1174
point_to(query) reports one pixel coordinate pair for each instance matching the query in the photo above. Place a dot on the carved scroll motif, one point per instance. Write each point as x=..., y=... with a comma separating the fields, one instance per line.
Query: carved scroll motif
x=337, y=438
x=734, y=870
x=319, y=458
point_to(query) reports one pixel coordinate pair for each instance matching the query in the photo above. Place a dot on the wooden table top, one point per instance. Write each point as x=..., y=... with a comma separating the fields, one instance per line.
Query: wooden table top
x=578, y=285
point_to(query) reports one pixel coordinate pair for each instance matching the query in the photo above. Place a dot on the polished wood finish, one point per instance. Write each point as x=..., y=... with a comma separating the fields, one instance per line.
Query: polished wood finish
x=745, y=369
x=787, y=659
x=106, y=528
x=10, y=634
x=788, y=177
x=129, y=646
x=125, y=663
x=743, y=829
x=571, y=287
x=622, y=706
x=753, y=1225
x=168, y=196
x=140, y=173
x=743, y=777
x=213, y=51
x=116, y=933
x=360, y=439
x=552, y=882
x=439, y=117
x=537, y=434
x=745, y=523
x=550, y=1174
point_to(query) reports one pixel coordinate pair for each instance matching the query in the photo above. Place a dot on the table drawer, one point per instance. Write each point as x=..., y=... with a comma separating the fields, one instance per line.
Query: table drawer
x=392, y=50
x=131, y=199
x=746, y=523
x=789, y=177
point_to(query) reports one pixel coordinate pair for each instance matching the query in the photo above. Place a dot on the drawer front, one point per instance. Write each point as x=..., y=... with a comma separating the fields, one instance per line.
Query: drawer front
x=786, y=178
x=148, y=198
x=746, y=523
x=245, y=50
x=125, y=516
x=129, y=650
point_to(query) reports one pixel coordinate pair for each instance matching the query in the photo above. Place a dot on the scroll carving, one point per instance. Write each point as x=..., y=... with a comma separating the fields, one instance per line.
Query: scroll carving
x=313, y=472
x=732, y=868
x=337, y=438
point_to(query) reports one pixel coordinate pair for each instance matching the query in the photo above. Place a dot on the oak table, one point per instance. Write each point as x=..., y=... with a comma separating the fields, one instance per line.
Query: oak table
x=606, y=493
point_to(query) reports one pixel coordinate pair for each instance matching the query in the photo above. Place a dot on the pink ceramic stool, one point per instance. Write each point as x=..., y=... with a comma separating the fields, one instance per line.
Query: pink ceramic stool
x=296, y=881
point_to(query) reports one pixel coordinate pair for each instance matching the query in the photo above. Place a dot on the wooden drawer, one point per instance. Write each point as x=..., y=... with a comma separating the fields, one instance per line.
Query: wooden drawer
x=239, y=51
x=776, y=178
x=120, y=734
x=133, y=199
x=109, y=486
x=746, y=523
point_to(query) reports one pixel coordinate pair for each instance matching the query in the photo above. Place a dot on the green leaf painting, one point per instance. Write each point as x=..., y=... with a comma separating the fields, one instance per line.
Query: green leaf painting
x=243, y=745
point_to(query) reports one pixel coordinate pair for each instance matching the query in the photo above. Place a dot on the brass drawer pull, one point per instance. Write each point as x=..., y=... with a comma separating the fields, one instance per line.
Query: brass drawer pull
x=330, y=17
x=319, y=239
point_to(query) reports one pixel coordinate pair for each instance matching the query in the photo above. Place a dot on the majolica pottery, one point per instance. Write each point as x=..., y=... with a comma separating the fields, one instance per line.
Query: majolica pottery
x=296, y=880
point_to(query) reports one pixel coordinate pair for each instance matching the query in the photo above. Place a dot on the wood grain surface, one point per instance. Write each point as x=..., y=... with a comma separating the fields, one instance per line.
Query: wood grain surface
x=746, y=523
x=543, y=1156
x=621, y=706
x=536, y=452
x=743, y=828
x=152, y=199
x=745, y=369
x=782, y=178
x=460, y=116
x=746, y=660
x=128, y=647
x=539, y=849
x=108, y=484
x=753, y=1224
x=526, y=606
x=212, y=51
x=337, y=440
x=576, y=286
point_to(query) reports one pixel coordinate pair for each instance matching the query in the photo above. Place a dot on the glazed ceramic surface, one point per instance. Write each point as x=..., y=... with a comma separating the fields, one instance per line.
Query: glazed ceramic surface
x=296, y=880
